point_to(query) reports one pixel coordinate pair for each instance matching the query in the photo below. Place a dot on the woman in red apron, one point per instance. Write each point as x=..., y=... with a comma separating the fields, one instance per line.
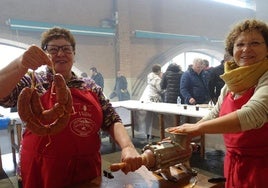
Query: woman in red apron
x=72, y=156
x=59, y=162
x=246, y=162
x=241, y=112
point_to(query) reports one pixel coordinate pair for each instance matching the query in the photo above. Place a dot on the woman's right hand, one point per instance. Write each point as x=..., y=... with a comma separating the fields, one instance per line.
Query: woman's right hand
x=34, y=57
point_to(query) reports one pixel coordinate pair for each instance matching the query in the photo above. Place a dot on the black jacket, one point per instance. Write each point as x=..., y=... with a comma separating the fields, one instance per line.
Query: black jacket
x=215, y=82
x=171, y=83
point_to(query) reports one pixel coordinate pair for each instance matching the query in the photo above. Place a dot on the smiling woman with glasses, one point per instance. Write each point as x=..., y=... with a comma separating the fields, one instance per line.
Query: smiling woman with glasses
x=73, y=155
x=241, y=111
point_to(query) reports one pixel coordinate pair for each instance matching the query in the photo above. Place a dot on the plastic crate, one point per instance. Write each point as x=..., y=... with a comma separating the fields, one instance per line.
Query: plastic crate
x=4, y=121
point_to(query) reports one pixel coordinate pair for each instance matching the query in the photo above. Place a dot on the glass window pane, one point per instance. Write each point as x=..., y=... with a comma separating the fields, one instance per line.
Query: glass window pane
x=186, y=58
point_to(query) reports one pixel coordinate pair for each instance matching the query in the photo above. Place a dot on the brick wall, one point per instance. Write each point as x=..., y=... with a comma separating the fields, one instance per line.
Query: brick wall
x=134, y=56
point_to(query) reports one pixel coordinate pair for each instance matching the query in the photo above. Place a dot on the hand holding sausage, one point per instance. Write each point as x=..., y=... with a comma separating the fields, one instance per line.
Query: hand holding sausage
x=35, y=57
x=131, y=158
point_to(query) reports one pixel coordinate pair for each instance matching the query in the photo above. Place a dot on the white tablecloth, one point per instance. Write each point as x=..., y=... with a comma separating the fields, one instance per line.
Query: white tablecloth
x=146, y=114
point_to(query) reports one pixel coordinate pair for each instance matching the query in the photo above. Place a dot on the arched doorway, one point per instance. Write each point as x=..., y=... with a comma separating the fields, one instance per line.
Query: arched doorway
x=214, y=50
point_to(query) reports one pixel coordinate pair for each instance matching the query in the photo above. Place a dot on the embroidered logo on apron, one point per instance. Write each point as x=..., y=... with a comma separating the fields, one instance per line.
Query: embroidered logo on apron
x=82, y=127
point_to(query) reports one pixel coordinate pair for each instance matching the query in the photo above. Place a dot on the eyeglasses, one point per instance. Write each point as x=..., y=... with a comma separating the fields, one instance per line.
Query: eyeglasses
x=253, y=44
x=53, y=49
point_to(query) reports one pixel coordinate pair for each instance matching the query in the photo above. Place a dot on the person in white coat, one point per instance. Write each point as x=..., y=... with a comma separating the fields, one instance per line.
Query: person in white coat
x=148, y=121
x=152, y=92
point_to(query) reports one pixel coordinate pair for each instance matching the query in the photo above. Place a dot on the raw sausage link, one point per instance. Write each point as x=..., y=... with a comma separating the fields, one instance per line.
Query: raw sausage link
x=117, y=166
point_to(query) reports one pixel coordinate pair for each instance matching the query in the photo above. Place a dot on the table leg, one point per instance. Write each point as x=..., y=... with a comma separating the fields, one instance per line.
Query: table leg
x=12, y=140
x=1, y=167
x=202, y=143
x=177, y=120
x=161, y=126
x=19, y=133
x=132, y=113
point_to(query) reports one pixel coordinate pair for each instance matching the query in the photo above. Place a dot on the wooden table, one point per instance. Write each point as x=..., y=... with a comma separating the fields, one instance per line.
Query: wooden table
x=142, y=178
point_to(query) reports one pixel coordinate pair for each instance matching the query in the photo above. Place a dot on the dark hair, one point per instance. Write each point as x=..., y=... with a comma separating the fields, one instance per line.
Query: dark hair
x=174, y=67
x=156, y=68
x=83, y=74
x=56, y=33
x=206, y=62
x=245, y=26
x=93, y=69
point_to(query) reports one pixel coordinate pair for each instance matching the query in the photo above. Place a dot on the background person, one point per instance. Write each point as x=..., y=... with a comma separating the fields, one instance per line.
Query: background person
x=241, y=111
x=96, y=76
x=215, y=83
x=84, y=75
x=152, y=92
x=120, y=88
x=73, y=155
x=170, y=83
x=194, y=84
x=148, y=121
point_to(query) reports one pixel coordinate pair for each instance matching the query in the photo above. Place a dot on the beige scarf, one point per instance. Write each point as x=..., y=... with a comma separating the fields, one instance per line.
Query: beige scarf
x=239, y=79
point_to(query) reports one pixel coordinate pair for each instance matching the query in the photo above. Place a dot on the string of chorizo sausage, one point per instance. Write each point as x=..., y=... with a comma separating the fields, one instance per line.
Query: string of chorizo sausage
x=31, y=111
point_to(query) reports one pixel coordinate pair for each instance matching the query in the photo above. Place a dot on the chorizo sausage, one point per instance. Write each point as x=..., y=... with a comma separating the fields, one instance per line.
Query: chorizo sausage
x=34, y=114
x=59, y=125
x=24, y=100
x=26, y=114
x=49, y=115
x=35, y=103
x=36, y=127
x=60, y=87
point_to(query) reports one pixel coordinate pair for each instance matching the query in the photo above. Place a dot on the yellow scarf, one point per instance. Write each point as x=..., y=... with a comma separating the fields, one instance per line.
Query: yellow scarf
x=239, y=79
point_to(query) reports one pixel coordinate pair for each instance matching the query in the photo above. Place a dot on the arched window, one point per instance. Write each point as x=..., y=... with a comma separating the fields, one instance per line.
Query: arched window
x=186, y=58
x=9, y=53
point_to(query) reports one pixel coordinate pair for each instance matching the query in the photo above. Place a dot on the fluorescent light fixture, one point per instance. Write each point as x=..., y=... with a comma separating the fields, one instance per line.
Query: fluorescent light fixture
x=216, y=40
x=250, y=4
x=25, y=25
x=159, y=35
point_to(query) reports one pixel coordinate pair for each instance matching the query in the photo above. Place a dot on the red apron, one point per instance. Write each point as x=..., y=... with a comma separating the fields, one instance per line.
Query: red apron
x=73, y=155
x=246, y=160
